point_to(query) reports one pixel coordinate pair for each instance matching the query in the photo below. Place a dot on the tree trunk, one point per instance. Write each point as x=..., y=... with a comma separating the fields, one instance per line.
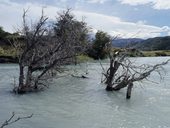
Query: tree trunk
x=29, y=77
x=21, y=75
x=121, y=85
x=20, y=89
x=109, y=88
x=110, y=74
x=129, y=90
x=112, y=71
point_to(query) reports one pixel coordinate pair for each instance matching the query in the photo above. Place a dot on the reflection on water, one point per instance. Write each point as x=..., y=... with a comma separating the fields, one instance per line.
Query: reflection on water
x=83, y=103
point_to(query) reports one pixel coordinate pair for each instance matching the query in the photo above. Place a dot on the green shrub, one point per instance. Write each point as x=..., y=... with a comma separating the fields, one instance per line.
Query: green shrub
x=83, y=58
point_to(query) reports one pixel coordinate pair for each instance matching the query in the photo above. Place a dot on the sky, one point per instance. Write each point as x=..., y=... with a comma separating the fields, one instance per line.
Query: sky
x=123, y=18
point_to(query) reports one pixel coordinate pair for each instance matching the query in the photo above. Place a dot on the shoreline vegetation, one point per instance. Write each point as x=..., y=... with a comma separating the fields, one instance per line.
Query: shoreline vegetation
x=156, y=53
x=8, y=55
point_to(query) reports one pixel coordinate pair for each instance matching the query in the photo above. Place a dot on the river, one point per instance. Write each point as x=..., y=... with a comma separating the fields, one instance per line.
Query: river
x=83, y=103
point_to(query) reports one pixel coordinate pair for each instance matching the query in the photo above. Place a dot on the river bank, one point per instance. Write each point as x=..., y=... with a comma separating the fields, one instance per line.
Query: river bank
x=8, y=55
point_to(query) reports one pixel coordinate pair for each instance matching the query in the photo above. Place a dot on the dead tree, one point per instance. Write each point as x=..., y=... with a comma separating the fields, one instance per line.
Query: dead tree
x=13, y=119
x=122, y=72
x=48, y=47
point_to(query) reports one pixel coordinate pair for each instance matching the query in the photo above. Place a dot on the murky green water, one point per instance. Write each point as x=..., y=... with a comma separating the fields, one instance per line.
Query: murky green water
x=83, y=103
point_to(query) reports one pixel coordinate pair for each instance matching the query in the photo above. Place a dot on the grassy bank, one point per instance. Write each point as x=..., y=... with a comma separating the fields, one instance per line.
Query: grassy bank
x=8, y=54
x=156, y=53
x=83, y=58
x=7, y=51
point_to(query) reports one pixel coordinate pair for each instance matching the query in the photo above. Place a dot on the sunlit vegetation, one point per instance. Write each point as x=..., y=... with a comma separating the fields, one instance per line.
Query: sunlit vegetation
x=156, y=53
x=7, y=51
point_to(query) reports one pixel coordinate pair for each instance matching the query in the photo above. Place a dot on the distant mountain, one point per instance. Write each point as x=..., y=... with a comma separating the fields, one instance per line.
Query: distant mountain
x=157, y=43
x=129, y=42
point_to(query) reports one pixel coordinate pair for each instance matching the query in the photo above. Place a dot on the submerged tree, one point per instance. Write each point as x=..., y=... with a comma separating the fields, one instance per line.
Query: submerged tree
x=122, y=72
x=46, y=48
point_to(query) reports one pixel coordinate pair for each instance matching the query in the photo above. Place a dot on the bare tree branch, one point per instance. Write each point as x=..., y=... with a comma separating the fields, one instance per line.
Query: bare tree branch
x=12, y=120
x=46, y=49
x=123, y=73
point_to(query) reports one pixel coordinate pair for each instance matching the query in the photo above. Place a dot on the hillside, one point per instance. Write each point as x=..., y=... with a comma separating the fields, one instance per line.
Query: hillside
x=126, y=42
x=152, y=44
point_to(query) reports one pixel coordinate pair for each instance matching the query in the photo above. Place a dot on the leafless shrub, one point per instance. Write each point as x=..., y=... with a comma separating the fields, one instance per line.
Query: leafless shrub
x=45, y=48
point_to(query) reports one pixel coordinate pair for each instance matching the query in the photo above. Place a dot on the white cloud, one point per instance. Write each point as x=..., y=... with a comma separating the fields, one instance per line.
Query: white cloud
x=97, y=1
x=12, y=14
x=166, y=28
x=156, y=4
x=142, y=22
x=162, y=4
x=136, y=2
x=115, y=26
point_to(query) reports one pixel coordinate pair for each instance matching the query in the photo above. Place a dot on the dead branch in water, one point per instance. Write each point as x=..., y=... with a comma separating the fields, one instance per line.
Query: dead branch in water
x=122, y=72
x=14, y=119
